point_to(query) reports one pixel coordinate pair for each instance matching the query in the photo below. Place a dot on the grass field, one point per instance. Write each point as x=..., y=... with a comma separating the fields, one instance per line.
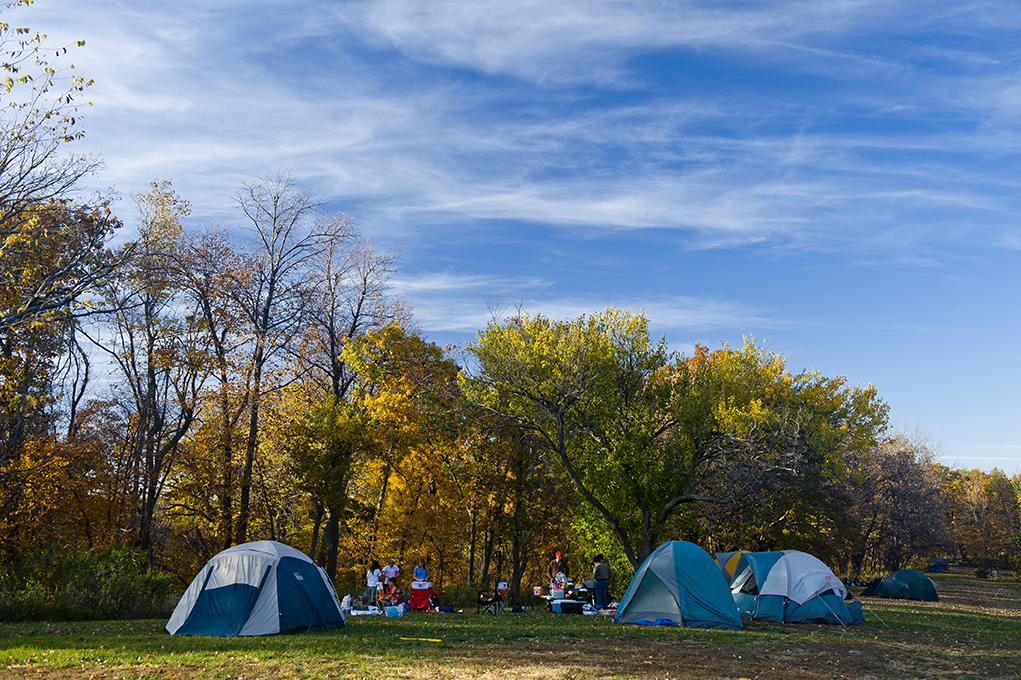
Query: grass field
x=974, y=631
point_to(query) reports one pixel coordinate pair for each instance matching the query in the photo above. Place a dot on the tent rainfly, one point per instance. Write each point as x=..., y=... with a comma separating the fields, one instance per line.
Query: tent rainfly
x=679, y=583
x=258, y=588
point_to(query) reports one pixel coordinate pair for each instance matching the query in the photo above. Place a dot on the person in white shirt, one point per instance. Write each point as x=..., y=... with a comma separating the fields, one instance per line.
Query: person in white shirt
x=391, y=570
x=372, y=582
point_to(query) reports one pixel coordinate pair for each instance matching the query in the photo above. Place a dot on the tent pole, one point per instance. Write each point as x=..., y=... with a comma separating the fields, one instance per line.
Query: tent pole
x=835, y=615
x=873, y=612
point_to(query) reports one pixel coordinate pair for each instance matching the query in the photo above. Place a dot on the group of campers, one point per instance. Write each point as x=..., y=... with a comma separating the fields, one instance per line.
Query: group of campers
x=384, y=580
x=559, y=571
x=380, y=581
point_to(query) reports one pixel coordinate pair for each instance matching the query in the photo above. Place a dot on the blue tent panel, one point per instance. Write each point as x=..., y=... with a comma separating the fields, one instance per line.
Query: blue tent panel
x=221, y=611
x=304, y=599
x=702, y=600
x=828, y=607
x=655, y=600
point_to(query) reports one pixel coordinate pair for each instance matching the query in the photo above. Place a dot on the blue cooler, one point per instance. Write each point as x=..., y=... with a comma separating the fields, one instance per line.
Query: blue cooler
x=567, y=606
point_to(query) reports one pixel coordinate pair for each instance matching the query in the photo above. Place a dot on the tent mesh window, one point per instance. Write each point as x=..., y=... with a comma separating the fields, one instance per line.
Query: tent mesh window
x=745, y=583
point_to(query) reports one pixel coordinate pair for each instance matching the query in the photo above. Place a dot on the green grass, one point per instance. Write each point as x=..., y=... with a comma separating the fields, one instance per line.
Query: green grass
x=974, y=631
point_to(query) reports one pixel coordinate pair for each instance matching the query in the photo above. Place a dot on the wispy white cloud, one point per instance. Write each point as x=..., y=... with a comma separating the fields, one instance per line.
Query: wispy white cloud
x=874, y=135
x=446, y=302
x=582, y=40
x=210, y=95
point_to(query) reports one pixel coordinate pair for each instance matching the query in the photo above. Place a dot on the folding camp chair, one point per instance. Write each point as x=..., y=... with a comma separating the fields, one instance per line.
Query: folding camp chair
x=494, y=604
x=589, y=584
x=423, y=597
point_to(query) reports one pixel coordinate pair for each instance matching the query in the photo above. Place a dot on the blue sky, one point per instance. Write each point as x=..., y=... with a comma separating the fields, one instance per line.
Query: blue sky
x=839, y=179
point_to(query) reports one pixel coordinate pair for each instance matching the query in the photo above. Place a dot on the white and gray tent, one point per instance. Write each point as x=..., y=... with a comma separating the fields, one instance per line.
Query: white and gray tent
x=789, y=586
x=258, y=588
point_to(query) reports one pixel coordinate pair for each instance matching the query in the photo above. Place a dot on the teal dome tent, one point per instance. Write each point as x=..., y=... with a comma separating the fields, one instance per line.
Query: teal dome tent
x=680, y=583
x=789, y=586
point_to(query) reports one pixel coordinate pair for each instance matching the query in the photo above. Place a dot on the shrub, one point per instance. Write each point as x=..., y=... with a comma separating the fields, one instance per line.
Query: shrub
x=983, y=566
x=61, y=585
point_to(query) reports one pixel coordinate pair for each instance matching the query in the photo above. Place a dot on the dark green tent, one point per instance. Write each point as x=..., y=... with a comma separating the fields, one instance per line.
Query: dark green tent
x=906, y=584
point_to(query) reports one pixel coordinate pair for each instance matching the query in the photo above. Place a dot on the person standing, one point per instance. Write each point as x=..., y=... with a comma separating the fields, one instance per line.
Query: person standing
x=372, y=583
x=390, y=570
x=421, y=573
x=558, y=566
x=601, y=572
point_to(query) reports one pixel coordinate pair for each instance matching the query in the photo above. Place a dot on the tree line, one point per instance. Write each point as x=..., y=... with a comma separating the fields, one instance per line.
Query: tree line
x=198, y=387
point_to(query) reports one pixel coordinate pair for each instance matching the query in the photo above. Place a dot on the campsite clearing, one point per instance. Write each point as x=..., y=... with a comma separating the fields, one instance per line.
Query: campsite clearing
x=974, y=631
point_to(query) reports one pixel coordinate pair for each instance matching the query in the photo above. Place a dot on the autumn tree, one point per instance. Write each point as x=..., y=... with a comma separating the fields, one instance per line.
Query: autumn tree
x=349, y=454
x=35, y=355
x=271, y=290
x=523, y=500
x=156, y=353
x=985, y=514
x=51, y=256
x=205, y=269
x=350, y=294
x=897, y=506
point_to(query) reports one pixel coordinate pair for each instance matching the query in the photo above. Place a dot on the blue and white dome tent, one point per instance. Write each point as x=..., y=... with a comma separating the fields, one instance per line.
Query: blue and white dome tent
x=258, y=588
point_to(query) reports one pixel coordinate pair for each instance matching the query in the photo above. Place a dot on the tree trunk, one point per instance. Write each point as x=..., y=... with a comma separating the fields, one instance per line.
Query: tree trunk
x=471, y=549
x=332, y=539
x=316, y=525
x=487, y=556
x=241, y=536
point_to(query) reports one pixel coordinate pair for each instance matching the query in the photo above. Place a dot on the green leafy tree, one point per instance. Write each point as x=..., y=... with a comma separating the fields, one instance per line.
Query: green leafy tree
x=642, y=433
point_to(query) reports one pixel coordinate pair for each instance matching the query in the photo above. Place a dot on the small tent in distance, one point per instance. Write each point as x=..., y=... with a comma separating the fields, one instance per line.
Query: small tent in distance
x=681, y=583
x=906, y=584
x=258, y=588
x=789, y=586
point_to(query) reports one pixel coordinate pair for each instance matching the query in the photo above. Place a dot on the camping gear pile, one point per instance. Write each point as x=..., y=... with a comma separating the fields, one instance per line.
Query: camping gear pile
x=564, y=596
x=258, y=588
x=906, y=584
